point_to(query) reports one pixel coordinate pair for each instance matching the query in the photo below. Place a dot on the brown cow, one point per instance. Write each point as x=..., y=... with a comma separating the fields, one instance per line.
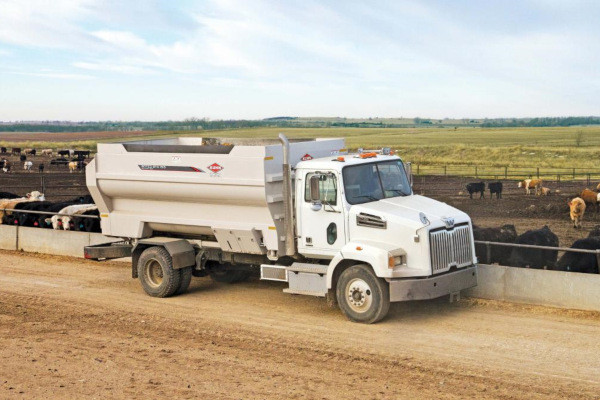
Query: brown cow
x=529, y=184
x=577, y=206
x=590, y=197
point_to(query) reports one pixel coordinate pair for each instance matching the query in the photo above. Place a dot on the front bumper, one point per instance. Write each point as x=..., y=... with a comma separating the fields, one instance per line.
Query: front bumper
x=431, y=288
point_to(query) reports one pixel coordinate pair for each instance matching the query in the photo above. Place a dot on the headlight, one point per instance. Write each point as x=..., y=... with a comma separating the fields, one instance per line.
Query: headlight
x=396, y=261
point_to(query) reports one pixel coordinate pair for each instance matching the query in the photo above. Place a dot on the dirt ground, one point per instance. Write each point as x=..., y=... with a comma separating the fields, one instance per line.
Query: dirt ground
x=73, y=328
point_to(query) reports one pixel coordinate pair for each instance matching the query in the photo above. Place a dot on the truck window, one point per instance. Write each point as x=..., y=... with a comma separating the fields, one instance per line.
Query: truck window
x=374, y=181
x=327, y=187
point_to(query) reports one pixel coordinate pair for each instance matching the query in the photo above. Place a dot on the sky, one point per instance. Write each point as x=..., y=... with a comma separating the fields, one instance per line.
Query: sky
x=250, y=59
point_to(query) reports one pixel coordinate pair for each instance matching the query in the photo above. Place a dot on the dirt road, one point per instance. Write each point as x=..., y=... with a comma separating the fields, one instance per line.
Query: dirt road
x=78, y=329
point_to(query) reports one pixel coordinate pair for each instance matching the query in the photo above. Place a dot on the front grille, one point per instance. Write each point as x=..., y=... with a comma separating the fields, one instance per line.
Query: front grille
x=450, y=248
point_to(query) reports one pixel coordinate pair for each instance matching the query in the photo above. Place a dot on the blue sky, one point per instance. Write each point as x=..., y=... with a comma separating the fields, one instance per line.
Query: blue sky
x=155, y=60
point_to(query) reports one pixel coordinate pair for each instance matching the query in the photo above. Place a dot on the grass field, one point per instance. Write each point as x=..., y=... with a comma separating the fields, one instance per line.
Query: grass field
x=556, y=147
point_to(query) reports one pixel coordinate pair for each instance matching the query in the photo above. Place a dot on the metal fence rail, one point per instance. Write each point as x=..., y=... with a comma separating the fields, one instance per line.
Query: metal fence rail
x=49, y=213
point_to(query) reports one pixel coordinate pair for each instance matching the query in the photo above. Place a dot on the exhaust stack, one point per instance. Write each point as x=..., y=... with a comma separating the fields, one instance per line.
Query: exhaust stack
x=290, y=240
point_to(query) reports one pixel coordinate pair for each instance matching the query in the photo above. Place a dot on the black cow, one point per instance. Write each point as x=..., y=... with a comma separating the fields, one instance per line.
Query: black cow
x=16, y=150
x=32, y=152
x=23, y=158
x=495, y=187
x=63, y=153
x=41, y=168
x=478, y=187
x=580, y=262
x=12, y=218
x=81, y=154
x=8, y=195
x=3, y=150
x=27, y=219
x=87, y=199
x=87, y=224
x=59, y=161
x=535, y=258
x=498, y=254
x=5, y=165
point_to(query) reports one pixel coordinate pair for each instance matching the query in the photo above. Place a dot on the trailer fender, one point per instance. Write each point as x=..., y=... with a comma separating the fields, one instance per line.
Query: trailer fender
x=361, y=252
x=181, y=251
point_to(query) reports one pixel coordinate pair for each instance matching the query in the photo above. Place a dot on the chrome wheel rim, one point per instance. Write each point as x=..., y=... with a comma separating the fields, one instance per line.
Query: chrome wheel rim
x=359, y=295
x=154, y=273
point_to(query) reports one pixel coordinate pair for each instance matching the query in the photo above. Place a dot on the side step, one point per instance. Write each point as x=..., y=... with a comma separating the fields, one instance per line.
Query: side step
x=303, y=278
x=107, y=251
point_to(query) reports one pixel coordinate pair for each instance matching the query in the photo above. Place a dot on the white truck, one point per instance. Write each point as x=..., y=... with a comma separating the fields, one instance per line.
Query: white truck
x=342, y=226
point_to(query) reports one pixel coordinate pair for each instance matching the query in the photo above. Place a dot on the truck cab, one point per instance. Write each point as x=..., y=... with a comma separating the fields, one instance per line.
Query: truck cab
x=360, y=210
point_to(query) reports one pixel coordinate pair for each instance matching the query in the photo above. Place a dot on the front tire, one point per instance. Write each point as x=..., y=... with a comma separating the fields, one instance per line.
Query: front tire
x=156, y=273
x=362, y=296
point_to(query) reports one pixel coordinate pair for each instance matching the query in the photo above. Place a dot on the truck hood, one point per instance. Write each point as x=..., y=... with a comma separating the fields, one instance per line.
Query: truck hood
x=406, y=209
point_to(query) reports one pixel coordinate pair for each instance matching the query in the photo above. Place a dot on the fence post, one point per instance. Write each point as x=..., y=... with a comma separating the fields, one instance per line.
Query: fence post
x=538, y=172
x=588, y=179
x=418, y=166
x=598, y=259
x=476, y=175
x=488, y=255
x=558, y=178
x=445, y=170
x=573, y=173
x=505, y=172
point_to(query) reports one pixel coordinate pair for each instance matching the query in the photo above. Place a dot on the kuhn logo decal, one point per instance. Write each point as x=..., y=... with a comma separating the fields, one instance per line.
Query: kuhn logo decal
x=307, y=157
x=215, y=168
x=174, y=168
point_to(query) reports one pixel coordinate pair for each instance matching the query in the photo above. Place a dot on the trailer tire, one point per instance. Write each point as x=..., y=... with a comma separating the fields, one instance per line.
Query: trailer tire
x=362, y=296
x=156, y=273
x=185, y=279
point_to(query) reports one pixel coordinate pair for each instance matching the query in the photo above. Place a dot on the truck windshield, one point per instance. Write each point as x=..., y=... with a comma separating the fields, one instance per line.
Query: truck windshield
x=371, y=182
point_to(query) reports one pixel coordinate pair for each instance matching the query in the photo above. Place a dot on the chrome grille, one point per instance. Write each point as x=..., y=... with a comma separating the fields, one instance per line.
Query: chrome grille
x=450, y=248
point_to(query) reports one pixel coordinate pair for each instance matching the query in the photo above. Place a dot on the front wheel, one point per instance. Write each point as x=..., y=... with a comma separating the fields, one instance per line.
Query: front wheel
x=362, y=296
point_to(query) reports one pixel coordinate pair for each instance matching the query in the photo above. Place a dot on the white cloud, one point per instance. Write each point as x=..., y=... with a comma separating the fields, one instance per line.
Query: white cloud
x=55, y=75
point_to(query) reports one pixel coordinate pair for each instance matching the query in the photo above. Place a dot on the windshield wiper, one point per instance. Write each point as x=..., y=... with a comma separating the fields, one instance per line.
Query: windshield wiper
x=368, y=196
x=397, y=191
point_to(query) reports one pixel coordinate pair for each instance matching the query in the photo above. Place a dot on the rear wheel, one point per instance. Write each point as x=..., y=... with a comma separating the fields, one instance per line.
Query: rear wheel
x=156, y=273
x=362, y=296
x=185, y=279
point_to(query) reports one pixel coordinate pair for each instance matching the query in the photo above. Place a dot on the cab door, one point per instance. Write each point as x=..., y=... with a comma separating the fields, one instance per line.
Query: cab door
x=321, y=225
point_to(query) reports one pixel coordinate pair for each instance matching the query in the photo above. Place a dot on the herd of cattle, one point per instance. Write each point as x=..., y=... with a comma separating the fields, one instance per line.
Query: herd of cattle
x=14, y=210
x=73, y=159
x=577, y=205
x=532, y=257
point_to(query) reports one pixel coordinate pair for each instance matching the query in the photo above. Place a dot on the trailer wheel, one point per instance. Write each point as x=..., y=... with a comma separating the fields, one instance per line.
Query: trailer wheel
x=362, y=296
x=185, y=279
x=156, y=273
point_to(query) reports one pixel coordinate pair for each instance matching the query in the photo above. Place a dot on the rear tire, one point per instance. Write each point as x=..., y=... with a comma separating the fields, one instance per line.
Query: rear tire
x=156, y=273
x=362, y=296
x=185, y=279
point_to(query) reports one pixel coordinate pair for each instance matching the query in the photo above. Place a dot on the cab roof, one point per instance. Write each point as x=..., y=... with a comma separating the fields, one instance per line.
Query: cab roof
x=331, y=163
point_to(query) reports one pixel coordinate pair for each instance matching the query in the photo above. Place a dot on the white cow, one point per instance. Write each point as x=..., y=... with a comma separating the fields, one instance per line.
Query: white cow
x=63, y=221
x=27, y=166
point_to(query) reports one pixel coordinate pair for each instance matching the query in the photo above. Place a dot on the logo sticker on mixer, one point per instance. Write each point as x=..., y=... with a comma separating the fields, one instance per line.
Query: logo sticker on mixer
x=175, y=168
x=215, y=168
x=307, y=157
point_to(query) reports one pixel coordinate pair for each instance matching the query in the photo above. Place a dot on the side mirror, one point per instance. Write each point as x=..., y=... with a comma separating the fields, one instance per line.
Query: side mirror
x=315, y=193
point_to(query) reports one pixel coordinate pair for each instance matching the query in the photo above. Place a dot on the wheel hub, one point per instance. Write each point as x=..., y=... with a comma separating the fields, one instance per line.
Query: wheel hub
x=154, y=273
x=359, y=295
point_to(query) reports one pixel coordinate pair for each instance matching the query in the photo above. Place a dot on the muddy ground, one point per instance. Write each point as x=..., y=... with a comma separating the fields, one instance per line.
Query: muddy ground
x=73, y=328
